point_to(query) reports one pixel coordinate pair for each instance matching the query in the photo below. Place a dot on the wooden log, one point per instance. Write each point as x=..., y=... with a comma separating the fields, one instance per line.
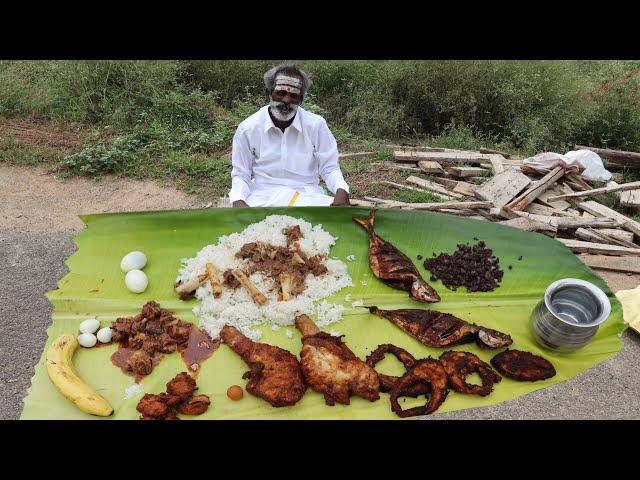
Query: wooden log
x=346, y=156
x=540, y=209
x=524, y=199
x=451, y=205
x=407, y=187
x=531, y=225
x=502, y=188
x=579, y=246
x=464, y=172
x=440, y=157
x=430, y=167
x=614, y=264
x=599, y=210
x=598, y=191
x=617, y=233
x=614, y=154
x=598, y=236
x=570, y=223
x=497, y=163
x=357, y=202
x=489, y=151
x=434, y=187
x=466, y=189
x=384, y=201
x=447, y=182
x=395, y=166
x=559, y=204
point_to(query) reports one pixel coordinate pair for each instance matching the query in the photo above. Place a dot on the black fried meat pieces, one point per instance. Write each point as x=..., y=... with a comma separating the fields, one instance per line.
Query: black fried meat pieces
x=474, y=267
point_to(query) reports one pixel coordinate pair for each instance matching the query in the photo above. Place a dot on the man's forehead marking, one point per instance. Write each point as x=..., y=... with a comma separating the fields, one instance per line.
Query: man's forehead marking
x=287, y=80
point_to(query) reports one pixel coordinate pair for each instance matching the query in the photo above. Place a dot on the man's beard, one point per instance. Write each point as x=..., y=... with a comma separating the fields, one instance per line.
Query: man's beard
x=282, y=111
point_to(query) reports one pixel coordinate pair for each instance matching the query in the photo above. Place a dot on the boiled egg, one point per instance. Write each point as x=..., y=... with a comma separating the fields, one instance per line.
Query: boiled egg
x=133, y=261
x=136, y=281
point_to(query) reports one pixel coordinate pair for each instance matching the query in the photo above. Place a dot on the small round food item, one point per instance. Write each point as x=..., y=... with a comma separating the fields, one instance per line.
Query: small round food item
x=235, y=392
x=87, y=340
x=104, y=335
x=133, y=261
x=524, y=366
x=90, y=325
x=428, y=371
x=136, y=281
x=460, y=364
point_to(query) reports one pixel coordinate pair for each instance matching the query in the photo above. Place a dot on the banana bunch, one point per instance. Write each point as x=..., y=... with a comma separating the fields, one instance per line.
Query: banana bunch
x=63, y=375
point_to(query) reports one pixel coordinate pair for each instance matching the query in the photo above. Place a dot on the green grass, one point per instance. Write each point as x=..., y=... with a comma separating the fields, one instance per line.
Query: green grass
x=18, y=153
x=413, y=196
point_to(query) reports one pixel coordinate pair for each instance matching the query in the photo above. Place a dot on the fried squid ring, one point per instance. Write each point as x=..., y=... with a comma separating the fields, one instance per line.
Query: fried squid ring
x=426, y=372
x=388, y=381
x=524, y=366
x=460, y=364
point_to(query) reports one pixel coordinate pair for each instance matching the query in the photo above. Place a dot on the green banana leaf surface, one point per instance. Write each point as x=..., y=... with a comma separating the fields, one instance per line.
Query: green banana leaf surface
x=94, y=287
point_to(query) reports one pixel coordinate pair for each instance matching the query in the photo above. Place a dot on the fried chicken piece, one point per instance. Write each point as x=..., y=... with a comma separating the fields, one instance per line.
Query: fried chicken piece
x=275, y=374
x=524, y=366
x=293, y=234
x=427, y=371
x=437, y=329
x=182, y=386
x=151, y=310
x=393, y=267
x=331, y=368
x=154, y=406
x=140, y=363
x=460, y=364
x=388, y=381
x=195, y=405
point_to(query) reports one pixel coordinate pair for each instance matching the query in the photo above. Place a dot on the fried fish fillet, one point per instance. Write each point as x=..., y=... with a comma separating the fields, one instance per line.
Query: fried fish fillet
x=393, y=267
x=275, y=374
x=460, y=364
x=331, y=368
x=524, y=366
x=429, y=372
x=437, y=329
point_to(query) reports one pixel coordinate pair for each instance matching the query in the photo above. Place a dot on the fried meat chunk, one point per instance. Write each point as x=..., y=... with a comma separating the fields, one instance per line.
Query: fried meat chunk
x=524, y=366
x=460, y=364
x=275, y=374
x=331, y=368
x=428, y=371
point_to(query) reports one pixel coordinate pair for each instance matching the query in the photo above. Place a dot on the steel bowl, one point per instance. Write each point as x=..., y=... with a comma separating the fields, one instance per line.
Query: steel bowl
x=569, y=315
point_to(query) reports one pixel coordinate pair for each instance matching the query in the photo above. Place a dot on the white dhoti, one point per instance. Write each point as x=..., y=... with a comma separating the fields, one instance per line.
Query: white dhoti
x=288, y=196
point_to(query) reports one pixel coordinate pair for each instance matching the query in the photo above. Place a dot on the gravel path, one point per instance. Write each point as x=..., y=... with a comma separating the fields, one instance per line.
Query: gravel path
x=38, y=221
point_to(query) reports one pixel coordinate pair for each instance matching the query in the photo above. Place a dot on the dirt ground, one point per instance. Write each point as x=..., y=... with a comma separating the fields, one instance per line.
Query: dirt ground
x=39, y=218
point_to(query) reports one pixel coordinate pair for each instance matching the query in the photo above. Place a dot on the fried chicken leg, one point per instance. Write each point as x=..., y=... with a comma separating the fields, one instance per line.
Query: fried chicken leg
x=275, y=374
x=331, y=368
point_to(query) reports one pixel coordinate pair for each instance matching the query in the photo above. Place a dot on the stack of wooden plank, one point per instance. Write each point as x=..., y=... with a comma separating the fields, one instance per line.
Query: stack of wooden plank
x=494, y=186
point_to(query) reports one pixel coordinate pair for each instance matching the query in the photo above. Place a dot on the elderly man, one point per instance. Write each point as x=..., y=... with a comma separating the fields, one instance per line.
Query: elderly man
x=280, y=151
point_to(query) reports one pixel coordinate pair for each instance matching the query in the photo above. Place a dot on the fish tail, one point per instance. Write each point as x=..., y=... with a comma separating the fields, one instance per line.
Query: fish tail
x=367, y=222
x=373, y=309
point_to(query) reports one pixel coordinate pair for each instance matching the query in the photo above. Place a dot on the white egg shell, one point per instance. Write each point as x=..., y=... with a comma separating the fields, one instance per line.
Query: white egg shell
x=136, y=281
x=90, y=325
x=87, y=340
x=133, y=261
x=104, y=335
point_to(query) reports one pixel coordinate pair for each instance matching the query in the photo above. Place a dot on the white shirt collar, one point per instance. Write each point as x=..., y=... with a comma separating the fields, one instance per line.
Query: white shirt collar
x=297, y=123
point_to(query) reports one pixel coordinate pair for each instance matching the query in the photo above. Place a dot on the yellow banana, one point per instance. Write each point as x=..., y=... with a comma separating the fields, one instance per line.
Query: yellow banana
x=63, y=375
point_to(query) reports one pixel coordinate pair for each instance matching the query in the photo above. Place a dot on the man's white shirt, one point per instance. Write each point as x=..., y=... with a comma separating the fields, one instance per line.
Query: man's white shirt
x=294, y=159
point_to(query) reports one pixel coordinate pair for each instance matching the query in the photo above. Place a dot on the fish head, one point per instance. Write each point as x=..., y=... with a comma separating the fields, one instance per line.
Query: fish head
x=493, y=338
x=424, y=293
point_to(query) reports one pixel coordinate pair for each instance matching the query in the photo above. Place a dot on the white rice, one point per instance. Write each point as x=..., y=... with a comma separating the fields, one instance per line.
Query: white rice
x=235, y=306
x=357, y=303
x=351, y=258
x=288, y=333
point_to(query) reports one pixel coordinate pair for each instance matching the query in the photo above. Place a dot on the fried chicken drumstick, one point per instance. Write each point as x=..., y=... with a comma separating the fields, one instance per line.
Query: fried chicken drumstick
x=331, y=368
x=275, y=374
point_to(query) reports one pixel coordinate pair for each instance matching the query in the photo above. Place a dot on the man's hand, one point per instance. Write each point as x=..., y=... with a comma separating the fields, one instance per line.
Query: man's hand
x=341, y=199
x=240, y=203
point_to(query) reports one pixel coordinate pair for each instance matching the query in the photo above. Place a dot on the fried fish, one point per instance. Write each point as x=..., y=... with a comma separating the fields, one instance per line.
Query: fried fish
x=437, y=329
x=393, y=267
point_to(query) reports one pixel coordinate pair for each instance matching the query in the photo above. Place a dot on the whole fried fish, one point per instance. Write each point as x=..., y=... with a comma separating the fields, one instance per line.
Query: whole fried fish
x=437, y=329
x=393, y=267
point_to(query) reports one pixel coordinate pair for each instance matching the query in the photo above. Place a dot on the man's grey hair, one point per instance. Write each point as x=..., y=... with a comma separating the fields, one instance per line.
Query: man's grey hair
x=287, y=69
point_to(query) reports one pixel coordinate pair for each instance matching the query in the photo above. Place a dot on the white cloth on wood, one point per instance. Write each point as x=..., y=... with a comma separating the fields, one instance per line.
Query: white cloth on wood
x=269, y=163
x=585, y=162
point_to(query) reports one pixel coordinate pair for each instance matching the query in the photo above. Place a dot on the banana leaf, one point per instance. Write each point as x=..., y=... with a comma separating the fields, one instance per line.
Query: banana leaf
x=95, y=286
